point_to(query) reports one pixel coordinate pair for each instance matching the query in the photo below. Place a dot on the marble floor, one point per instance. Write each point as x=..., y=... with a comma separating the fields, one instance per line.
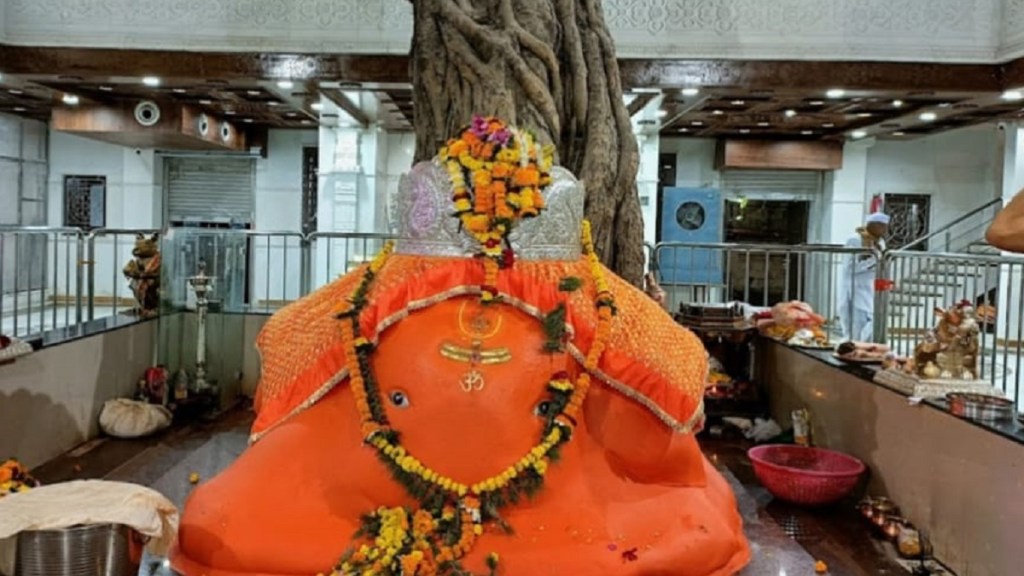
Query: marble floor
x=786, y=541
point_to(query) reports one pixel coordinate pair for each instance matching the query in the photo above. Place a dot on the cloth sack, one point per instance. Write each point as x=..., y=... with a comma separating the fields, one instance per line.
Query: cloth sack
x=123, y=418
x=87, y=502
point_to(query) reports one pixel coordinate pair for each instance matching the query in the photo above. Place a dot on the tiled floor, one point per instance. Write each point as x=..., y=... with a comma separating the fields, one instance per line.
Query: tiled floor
x=786, y=541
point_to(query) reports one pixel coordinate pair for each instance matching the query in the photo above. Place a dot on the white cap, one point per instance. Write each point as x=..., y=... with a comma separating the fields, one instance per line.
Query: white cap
x=878, y=218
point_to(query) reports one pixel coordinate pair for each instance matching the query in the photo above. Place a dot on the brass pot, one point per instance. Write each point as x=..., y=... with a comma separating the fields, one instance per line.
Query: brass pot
x=867, y=508
x=892, y=527
x=885, y=507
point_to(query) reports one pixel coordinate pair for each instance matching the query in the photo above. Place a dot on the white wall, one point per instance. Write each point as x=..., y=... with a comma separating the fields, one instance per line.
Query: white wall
x=278, y=208
x=957, y=169
x=695, y=161
x=133, y=200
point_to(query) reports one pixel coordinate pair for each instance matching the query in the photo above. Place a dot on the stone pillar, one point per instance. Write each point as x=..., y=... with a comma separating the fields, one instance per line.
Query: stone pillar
x=647, y=184
x=339, y=183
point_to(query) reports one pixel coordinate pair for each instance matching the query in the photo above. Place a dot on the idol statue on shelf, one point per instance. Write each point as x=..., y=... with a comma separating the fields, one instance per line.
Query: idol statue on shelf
x=143, y=275
x=484, y=397
x=950, y=350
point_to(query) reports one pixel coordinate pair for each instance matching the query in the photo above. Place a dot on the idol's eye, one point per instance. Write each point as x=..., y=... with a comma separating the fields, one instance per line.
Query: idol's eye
x=399, y=399
x=544, y=409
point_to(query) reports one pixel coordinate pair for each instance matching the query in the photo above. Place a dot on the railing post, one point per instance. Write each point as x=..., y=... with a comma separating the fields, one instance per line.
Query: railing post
x=880, y=319
x=79, y=275
x=91, y=275
x=305, y=265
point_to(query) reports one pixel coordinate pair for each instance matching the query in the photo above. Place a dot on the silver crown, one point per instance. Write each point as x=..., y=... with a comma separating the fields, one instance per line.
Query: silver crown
x=425, y=226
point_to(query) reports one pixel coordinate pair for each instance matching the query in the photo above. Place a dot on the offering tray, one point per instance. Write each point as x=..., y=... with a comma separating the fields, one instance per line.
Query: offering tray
x=980, y=407
x=713, y=316
x=914, y=386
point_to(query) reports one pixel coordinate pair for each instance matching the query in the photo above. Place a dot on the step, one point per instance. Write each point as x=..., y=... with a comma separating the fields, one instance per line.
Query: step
x=918, y=281
x=906, y=303
x=919, y=293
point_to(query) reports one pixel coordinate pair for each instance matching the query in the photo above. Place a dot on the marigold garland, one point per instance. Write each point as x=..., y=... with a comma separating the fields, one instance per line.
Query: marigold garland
x=432, y=540
x=497, y=175
x=15, y=478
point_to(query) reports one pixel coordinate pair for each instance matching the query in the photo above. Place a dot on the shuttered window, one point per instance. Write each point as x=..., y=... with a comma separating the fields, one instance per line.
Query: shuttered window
x=767, y=184
x=214, y=189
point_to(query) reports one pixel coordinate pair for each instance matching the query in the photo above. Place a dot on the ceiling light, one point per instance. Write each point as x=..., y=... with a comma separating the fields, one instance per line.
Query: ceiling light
x=697, y=123
x=945, y=105
x=229, y=112
x=897, y=103
x=738, y=102
x=253, y=92
x=70, y=99
x=247, y=120
x=15, y=91
x=691, y=91
x=836, y=93
x=817, y=102
x=316, y=106
x=717, y=112
x=179, y=90
x=1013, y=95
x=273, y=103
x=744, y=130
x=807, y=132
x=151, y=81
x=286, y=84
x=858, y=134
x=19, y=109
x=928, y=116
x=307, y=121
x=290, y=114
x=763, y=124
x=828, y=125
x=205, y=102
x=107, y=88
x=864, y=115
x=662, y=113
x=897, y=133
x=790, y=113
x=684, y=129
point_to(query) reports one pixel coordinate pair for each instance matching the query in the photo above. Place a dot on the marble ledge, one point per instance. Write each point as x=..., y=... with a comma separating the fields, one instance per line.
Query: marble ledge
x=1010, y=430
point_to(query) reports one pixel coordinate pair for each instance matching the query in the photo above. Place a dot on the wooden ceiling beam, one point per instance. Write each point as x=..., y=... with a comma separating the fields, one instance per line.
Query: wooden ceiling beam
x=394, y=69
x=345, y=103
x=640, y=102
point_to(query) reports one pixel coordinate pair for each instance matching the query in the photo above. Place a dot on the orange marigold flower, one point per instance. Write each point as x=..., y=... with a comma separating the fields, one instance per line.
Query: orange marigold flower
x=526, y=177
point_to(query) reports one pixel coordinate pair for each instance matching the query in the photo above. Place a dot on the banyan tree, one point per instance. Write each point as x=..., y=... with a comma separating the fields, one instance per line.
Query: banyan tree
x=546, y=65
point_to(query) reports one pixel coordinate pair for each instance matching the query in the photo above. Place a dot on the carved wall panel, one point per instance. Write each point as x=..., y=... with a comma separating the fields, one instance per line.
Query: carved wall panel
x=905, y=30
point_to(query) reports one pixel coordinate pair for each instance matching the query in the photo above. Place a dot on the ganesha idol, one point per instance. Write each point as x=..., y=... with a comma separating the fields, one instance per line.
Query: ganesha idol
x=484, y=397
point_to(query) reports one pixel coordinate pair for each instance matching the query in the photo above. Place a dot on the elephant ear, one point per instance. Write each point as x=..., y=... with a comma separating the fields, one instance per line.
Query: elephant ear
x=302, y=353
x=650, y=358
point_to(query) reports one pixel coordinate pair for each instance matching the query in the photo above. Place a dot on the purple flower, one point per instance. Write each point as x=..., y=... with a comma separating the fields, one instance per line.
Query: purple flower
x=501, y=137
x=479, y=126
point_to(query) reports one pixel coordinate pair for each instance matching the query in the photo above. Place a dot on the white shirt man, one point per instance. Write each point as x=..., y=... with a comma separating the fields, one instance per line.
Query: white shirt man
x=857, y=283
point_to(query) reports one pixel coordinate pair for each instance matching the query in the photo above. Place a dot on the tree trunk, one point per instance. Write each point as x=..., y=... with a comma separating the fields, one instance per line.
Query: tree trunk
x=546, y=65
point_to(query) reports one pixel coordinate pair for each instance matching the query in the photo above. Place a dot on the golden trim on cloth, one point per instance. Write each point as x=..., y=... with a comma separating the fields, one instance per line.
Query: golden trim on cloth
x=650, y=359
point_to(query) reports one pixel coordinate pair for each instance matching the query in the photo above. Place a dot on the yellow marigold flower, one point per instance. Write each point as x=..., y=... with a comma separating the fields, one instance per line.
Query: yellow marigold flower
x=478, y=529
x=541, y=466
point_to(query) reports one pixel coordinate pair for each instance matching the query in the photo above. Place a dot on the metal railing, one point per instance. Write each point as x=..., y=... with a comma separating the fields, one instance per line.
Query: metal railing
x=758, y=274
x=36, y=264
x=961, y=233
x=55, y=277
x=923, y=282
